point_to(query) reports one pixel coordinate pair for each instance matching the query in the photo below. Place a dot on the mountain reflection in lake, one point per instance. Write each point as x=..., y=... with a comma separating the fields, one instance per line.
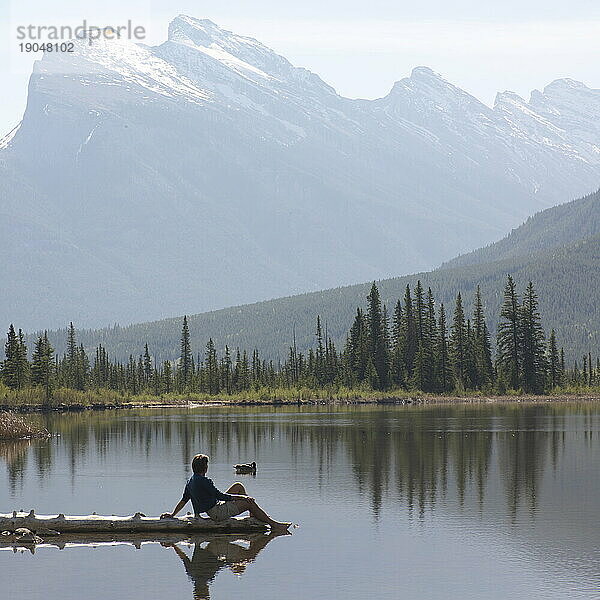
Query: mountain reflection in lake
x=470, y=501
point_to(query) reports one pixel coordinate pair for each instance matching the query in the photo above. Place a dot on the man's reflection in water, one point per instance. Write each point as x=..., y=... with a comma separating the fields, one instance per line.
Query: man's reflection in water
x=220, y=551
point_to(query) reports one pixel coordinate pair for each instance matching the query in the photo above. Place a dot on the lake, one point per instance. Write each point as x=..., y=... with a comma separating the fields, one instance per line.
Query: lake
x=431, y=502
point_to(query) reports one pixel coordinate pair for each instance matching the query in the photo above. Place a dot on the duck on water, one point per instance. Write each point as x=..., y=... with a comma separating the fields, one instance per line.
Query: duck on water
x=245, y=469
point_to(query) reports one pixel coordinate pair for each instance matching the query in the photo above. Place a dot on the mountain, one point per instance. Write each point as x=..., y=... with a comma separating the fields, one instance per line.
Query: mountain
x=563, y=263
x=562, y=225
x=208, y=171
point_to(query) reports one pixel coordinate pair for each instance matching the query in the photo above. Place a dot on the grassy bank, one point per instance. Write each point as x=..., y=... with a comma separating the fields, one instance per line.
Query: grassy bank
x=13, y=427
x=32, y=399
x=64, y=398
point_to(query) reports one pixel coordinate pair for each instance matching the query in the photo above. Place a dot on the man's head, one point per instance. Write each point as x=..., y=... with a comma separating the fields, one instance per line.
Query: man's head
x=200, y=464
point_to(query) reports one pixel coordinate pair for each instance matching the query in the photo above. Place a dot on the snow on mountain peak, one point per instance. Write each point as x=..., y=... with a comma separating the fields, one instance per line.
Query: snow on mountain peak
x=192, y=41
x=424, y=72
x=508, y=97
x=104, y=59
x=235, y=51
x=564, y=84
x=427, y=92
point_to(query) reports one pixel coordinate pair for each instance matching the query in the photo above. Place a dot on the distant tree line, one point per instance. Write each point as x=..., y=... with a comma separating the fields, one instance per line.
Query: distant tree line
x=416, y=345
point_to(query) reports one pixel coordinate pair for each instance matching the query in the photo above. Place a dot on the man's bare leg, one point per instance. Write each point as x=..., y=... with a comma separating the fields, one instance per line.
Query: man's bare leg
x=257, y=512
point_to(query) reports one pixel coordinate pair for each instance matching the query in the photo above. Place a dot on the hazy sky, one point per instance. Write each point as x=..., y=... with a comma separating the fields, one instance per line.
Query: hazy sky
x=359, y=47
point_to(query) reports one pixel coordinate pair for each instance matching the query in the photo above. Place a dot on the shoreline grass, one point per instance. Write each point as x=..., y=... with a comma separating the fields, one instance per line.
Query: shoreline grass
x=33, y=399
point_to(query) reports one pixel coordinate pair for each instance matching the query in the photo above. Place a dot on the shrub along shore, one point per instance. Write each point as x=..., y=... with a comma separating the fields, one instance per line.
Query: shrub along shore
x=14, y=427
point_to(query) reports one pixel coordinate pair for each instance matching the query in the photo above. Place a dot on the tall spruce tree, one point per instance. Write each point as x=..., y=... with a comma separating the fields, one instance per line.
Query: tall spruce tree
x=167, y=377
x=420, y=313
x=147, y=366
x=443, y=358
x=72, y=358
x=226, y=371
x=357, y=347
x=211, y=366
x=484, y=369
x=377, y=338
x=554, y=374
x=459, y=346
x=508, y=357
x=319, y=369
x=82, y=369
x=409, y=335
x=397, y=366
x=185, y=358
x=15, y=368
x=533, y=343
x=424, y=369
x=43, y=366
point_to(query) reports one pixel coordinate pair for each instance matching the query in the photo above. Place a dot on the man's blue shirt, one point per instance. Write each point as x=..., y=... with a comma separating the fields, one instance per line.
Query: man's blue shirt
x=203, y=493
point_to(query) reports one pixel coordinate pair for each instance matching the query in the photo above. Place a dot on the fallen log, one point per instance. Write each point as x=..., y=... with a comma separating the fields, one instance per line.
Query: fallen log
x=138, y=523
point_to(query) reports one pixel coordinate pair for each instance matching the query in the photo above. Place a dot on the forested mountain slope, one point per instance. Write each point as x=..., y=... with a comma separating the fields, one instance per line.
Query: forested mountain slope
x=550, y=228
x=565, y=277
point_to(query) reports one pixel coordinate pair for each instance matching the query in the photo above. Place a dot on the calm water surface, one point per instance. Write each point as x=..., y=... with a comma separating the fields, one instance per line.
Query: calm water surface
x=481, y=502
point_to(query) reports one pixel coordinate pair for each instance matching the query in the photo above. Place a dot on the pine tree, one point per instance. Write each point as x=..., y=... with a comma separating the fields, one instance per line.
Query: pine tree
x=72, y=358
x=156, y=380
x=553, y=361
x=424, y=370
x=43, y=366
x=397, y=366
x=332, y=362
x=357, y=347
x=319, y=368
x=458, y=346
x=471, y=363
x=226, y=371
x=443, y=358
x=409, y=334
x=212, y=368
x=484, y=369
x=245, y=382
x=371, y=375
x=508, y=356
x=15, y=368
x=377, y=338
x=131, y=375
x=185, y=358
x=147, y=366
x=533, y=344
x=293, y=360
x=82, y=369
x=167, y=376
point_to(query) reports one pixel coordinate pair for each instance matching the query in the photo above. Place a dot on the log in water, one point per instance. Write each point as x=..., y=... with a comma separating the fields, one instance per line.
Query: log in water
x=137, y=523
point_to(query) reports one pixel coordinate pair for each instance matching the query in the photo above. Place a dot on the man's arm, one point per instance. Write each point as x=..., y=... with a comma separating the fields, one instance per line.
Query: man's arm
x=240, y=497
x=179, y=506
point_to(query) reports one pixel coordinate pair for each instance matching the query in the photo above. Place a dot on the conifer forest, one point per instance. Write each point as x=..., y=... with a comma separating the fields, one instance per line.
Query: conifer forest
x=413, y=346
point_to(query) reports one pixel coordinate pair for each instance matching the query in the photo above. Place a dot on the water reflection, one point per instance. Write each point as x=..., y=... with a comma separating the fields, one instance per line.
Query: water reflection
x=414, y=455
x=210, y=553
x=14, y=453
x=366, y=483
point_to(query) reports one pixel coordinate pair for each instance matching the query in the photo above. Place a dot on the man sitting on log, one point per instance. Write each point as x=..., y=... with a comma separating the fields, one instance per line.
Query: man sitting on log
x=219, y=506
